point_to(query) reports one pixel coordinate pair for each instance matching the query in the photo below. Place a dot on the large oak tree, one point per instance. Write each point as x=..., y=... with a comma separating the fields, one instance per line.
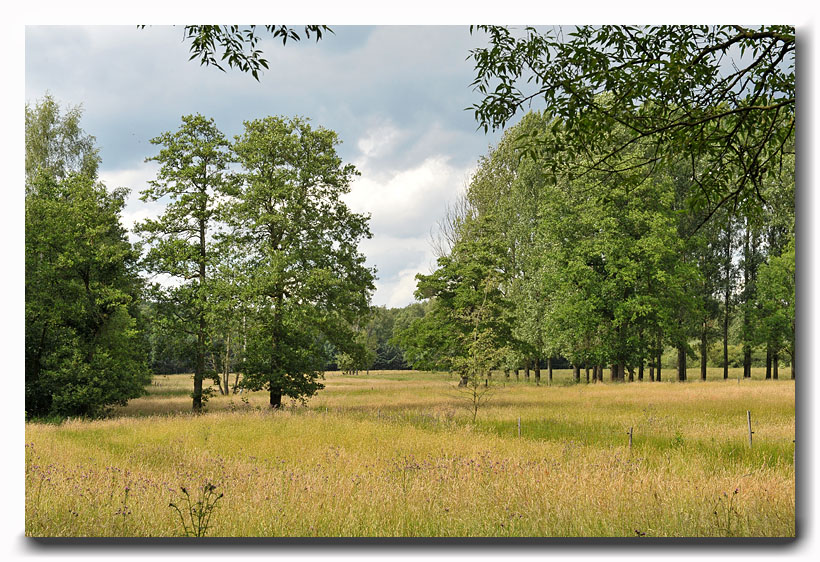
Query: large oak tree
x=306, y=283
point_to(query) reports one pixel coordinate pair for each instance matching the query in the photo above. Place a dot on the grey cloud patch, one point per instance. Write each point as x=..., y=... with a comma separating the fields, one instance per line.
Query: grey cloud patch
x=395, y=95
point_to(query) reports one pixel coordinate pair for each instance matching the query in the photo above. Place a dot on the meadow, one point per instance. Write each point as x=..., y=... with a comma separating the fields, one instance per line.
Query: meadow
x=397, y=454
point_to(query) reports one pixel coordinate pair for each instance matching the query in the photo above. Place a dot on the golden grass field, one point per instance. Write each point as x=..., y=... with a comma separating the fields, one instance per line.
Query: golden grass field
x=396, y=454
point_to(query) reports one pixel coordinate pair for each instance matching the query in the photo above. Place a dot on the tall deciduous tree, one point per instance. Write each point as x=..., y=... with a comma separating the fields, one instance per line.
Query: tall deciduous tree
x=84, y=350
x=306, y=282
x=776, y=300
x=193, y=166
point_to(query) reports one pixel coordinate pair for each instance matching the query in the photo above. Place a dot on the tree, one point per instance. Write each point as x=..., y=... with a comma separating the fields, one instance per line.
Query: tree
x=721, y=96
x=238, y=44
x=56, y=144
x=379, y=330
x=193, y=166
x=773, y=313
x=84, y=347
x=171, y=351
x=508, y=191
x=469, y=322
x=776, y=294
x=306, y=282
x=413, y=336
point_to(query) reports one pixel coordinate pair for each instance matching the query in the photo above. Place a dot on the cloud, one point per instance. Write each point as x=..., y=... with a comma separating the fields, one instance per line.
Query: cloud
x=379, y=140
x=395, y=95
x=136, y=180
x=400, y=292
x=404, y=204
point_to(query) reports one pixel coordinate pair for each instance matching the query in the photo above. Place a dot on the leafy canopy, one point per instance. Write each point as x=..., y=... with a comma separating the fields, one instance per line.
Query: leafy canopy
x=721, y=96
x=238, y=44
x=306, y=280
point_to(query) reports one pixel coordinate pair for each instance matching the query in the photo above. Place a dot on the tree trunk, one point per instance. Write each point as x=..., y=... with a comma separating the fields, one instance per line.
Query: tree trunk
x=226, y=367
x=613, y=372
x=275, y=398
x=640, y=371
x=516, y=375
x=527, y=371
x=631, y=373
x=651, y=370
x=775, y=361
x=658, y=375
x=576, y=373
x=726, y=343
x=621, y=371
x=727, y=291
x=681, y=363
x=586, y=370
x=199, y=367
x=768, y=361
x=549, y=370
x=704, y=345
x=537, y=371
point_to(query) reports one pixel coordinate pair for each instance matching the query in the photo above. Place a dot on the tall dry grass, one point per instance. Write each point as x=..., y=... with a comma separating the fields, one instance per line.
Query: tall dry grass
x=394, y=454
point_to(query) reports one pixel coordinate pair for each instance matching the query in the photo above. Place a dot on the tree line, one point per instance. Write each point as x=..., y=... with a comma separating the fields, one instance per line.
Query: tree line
x=538, y=268
x=649, y=208
x=254, y=257
x=539, y=263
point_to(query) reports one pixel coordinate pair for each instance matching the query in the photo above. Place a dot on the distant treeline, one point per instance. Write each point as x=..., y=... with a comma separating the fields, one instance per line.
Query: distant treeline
x=552, y=257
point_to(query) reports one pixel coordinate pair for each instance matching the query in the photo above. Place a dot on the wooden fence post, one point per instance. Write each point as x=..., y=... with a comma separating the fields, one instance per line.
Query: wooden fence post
x=749, y=422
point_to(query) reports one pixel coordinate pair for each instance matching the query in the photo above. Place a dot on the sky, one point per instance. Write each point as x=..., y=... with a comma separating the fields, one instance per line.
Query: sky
x=396, y=95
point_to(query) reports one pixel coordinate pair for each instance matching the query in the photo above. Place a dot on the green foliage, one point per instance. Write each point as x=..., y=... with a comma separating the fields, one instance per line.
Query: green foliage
x=407, y=334
x=776, y=301
x=171, y=351
x=467, y=327
x=683, y=89
x=238, y=44
x=56, y=145
x=305, y=283
x=84, y=349
x=84, y=346
x=193, y=175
